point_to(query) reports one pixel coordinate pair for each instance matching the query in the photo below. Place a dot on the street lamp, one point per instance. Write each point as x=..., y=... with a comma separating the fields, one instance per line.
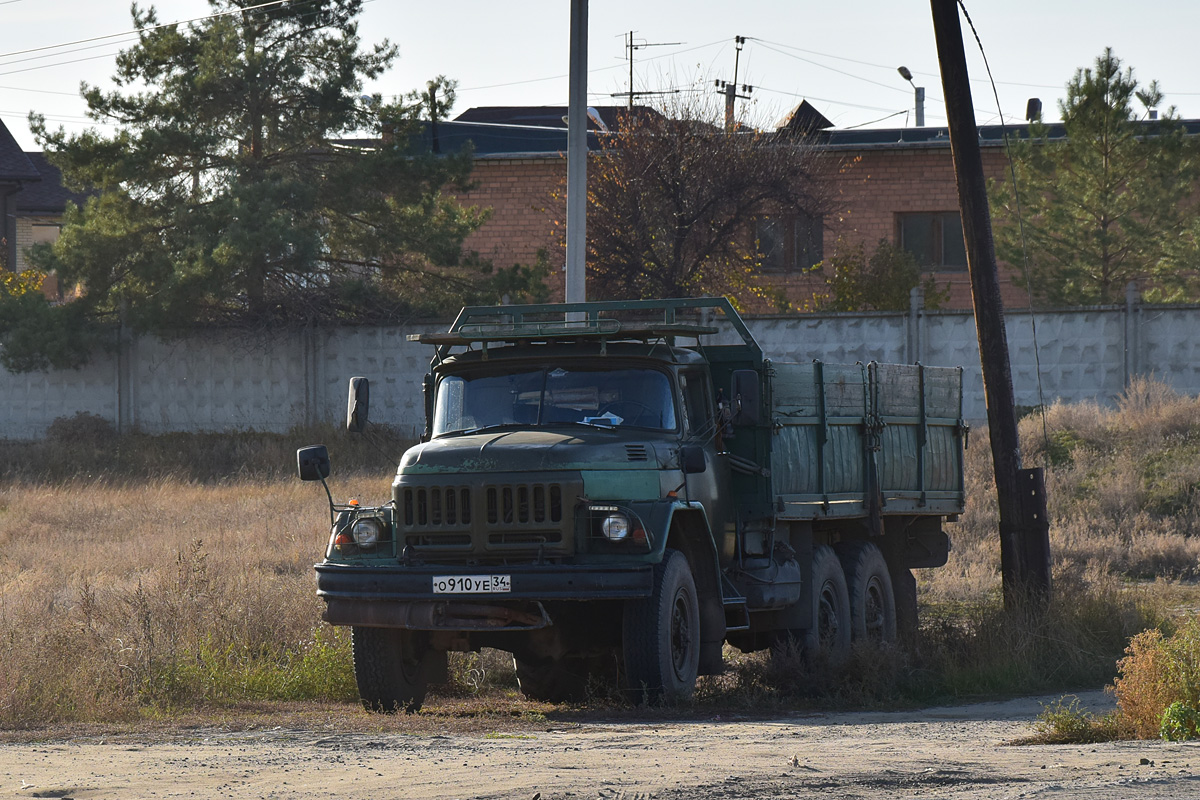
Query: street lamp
x=918, y=95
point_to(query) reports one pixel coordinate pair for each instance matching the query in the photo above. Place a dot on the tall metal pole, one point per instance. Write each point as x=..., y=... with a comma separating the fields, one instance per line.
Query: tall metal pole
x=1024, y=526
x=576, y=288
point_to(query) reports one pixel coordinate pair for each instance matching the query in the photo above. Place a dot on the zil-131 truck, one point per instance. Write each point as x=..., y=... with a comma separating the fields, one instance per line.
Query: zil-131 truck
x=613, y=491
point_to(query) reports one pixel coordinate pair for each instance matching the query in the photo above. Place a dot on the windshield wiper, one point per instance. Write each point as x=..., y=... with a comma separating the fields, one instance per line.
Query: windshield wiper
x=494, y=427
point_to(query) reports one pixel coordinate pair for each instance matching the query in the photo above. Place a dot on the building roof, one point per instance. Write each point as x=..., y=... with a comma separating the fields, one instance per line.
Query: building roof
x=550, y=116
x=15, y=166
x=47, y=195
x=802, y=120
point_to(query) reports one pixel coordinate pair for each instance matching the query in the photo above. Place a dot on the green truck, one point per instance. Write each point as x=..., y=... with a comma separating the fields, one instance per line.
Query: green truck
x=614, y=490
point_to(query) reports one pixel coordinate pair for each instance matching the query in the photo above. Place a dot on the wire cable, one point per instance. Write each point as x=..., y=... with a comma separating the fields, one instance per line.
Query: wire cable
x=139, y=31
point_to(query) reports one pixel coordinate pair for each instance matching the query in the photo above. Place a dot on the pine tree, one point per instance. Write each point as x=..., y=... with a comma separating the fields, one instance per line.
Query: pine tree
x=226, y=194
x=1106, y=203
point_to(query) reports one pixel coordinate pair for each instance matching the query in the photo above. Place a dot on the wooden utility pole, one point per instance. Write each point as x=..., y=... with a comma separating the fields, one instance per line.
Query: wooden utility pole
x=1024, y=525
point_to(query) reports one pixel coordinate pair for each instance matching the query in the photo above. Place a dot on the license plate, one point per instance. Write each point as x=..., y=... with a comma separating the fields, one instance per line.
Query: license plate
x=471, y=584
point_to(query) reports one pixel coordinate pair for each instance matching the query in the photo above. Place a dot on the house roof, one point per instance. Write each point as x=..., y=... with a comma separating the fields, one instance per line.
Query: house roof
x=549, y=116
x=47, y=195
x=803, y=119
x=14, y=163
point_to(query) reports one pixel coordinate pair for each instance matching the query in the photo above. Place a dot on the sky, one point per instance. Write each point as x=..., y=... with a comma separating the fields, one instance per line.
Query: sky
x=840, y=56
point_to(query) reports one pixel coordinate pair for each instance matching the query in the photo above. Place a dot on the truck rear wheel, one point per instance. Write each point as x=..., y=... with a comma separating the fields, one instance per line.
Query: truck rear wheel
x=872, y=602
x=829, y=638
x=390, y=668
x=661, y=636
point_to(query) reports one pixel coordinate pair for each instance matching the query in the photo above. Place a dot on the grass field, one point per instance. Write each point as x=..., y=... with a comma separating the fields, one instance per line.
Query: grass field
x=160, y=577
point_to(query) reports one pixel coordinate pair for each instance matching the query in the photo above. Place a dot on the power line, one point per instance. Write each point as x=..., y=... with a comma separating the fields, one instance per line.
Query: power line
x=38, y=91
x=590, y=71
x=833, y=69
x=139, y=31
x=59, y=63
x=61, y=52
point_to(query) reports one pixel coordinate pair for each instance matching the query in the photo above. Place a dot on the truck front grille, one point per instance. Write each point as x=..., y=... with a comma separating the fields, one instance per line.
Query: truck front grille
x=487, y=521
x=522, y=504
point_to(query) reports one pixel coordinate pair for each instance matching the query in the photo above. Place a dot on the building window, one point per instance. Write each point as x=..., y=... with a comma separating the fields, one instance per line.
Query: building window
x=935, y=240
x=44, y=234
x=790, y=242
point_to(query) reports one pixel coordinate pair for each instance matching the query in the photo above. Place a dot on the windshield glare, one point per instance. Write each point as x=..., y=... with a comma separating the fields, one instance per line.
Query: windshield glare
x=554, y=396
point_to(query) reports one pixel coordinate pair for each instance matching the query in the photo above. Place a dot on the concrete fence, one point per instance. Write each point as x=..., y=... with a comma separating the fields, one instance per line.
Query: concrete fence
x=217, y=381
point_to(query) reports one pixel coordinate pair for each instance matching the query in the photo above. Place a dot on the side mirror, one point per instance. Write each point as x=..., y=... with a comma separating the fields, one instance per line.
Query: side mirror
x=358, y=404
x=747, y=397
x=691, y=459
x=313, y=462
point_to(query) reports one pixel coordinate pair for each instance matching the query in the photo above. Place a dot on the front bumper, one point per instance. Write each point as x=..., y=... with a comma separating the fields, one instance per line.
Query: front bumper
x=403, y=597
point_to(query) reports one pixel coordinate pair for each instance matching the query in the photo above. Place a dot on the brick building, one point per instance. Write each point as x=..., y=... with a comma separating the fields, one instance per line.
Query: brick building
x=893, y=184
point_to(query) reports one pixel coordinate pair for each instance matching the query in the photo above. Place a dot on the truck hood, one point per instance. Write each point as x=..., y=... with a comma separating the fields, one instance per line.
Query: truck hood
x=532, y=451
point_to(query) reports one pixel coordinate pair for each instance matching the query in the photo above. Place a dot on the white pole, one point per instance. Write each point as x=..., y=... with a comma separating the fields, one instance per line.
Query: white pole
x=576, y=289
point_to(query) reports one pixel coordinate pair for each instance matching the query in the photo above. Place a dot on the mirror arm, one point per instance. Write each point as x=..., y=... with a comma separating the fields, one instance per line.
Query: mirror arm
x=332, y=515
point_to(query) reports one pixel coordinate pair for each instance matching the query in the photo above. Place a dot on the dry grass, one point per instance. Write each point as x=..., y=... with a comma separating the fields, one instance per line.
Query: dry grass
x=159, y=577
x=115, y=599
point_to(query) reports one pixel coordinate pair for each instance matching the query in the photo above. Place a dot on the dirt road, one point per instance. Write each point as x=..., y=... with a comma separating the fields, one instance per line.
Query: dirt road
x=943, y=752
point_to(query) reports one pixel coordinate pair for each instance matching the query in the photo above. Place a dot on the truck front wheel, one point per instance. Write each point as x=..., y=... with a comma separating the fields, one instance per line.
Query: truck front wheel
x=661, y=636
x=390, y=668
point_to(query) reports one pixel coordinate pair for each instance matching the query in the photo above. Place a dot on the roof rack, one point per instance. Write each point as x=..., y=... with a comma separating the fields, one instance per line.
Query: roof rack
x=575, y=321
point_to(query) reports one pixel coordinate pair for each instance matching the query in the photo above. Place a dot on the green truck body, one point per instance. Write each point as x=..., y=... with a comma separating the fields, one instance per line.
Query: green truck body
x=609, y=495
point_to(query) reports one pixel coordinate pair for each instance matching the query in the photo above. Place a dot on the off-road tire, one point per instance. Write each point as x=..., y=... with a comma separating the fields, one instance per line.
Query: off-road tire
x=828, y=641
x=661, y=636
x=390, y=668
x=872, y=601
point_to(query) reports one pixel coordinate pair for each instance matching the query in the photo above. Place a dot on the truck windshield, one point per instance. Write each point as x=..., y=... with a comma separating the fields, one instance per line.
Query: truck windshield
x=555, y=396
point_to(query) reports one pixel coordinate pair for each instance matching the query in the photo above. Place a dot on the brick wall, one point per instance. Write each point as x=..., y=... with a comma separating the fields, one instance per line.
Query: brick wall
x=868, y=189
x=872, y=186
x=520, y=192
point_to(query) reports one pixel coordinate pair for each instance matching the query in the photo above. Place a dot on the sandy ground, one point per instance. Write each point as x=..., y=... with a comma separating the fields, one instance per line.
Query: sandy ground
x=955, y=752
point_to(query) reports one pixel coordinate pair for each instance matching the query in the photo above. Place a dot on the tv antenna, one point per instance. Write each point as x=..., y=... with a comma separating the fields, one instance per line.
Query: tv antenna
x=632, y=45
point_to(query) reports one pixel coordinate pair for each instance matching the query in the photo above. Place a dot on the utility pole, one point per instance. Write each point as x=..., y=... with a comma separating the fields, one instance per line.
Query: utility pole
x=576, y=266
x=1020, y=493
x=730, y=89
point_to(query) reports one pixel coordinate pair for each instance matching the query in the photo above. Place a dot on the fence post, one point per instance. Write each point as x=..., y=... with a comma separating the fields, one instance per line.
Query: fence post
x=125, y=356
x=916, y=313
x=309, y=359
x=1133, y=313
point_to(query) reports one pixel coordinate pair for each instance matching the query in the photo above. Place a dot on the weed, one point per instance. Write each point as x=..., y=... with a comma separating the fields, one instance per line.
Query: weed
x=1065, y=722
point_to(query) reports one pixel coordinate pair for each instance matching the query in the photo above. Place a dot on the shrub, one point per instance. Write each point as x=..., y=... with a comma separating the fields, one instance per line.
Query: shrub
x=1065, y=722
x=1158, y=688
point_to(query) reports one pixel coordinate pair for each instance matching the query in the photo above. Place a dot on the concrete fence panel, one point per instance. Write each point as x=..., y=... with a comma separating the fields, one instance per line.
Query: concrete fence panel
x=277, y=380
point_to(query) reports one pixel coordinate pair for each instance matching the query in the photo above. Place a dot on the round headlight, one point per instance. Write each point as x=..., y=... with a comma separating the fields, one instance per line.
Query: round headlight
x=615, y=527
x=367, y=532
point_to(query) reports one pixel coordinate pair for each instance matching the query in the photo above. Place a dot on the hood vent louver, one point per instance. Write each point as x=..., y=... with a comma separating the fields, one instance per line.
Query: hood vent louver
x=636, y=452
